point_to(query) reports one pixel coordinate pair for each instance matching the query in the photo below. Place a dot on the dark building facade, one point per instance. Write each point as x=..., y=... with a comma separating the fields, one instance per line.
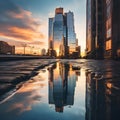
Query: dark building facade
x=95, y=29
x=112, y=29
x=103, y=28
x=90, y=28
x=5, y=48
x=99, y=37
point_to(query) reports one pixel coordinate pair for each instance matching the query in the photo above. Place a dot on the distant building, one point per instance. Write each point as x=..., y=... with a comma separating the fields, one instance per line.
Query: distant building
x=71, y=35
x=62, y=36
x=78, y=50
x=5, y=48
x=43, y=52
x=51, y=52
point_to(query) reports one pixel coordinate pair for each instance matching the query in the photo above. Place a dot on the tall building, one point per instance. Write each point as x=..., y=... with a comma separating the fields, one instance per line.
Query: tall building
x=5, y=48
x=71, y=35
x=90, y=28
x=112, y=28
x=50, y=33
x=103, y=28
x=58, y=31
x=62, y=37
x=51, y=51
x=100, y=30
x=108, y=28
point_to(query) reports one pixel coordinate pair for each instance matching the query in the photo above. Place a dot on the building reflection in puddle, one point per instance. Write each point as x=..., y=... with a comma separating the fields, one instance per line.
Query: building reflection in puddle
x=62, y=83
x=102, y=98
x=75, y=92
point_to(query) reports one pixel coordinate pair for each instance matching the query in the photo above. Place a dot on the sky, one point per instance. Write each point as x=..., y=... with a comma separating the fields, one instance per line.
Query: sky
x=25, y=22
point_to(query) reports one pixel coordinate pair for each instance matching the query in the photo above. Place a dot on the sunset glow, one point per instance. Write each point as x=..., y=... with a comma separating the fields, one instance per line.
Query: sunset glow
x=26, y=22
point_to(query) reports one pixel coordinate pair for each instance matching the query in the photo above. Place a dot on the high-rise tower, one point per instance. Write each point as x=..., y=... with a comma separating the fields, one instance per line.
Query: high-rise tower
x=90, y=27
x=103, y=28
x=51, y=33
x=58, y=32
x=71, y=36
x=112, y=29
x=50, y=39
x=62, y=36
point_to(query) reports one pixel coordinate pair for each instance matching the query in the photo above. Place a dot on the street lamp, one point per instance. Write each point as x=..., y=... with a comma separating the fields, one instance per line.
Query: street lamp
x=24, y=47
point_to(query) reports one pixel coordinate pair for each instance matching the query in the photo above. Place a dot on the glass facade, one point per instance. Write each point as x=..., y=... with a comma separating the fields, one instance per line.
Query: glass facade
x=108, y=44
x=108, y=19
x=71, y=32
x=88, y=34
x=50, y=33
x=62, y=36
x=102, y=29
x=58, y=32
x=108, y=28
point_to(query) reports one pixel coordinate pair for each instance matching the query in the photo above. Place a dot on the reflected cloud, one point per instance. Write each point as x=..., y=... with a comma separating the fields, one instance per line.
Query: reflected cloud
x=27, y=96
x=21, y=107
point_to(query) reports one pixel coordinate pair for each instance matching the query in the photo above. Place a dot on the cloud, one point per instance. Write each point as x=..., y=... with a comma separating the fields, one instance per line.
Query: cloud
x=29, y=94
x=36, y=43
x=17, y=23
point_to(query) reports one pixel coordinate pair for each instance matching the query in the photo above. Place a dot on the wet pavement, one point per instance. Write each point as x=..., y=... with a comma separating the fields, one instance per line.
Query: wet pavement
x=14, y=72
x=67, y=90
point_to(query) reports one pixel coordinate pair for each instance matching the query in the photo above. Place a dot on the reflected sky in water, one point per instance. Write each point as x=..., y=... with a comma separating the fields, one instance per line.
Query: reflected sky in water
x=68, y=90
x=56, y=93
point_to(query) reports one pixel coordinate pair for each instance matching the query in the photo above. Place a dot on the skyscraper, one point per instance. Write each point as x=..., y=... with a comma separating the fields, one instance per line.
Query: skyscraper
x=58, y=32
x=90, y=28
x=51, y=33
x=95, y=29
x=50, y=39
x=71, y=36
x=103, y=28
x=99, y=37
x=62, y=36
x=112, y=29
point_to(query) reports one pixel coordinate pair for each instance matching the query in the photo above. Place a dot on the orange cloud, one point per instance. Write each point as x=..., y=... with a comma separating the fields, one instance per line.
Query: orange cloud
x=20, y=15
x=25, y=34
x=19, y=24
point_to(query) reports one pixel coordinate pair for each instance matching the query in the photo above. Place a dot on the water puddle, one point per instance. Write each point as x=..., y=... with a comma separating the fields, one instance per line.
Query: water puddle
x=63, y=91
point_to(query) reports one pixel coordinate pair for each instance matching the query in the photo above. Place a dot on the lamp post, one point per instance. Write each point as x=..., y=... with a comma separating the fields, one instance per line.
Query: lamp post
x=24, y=48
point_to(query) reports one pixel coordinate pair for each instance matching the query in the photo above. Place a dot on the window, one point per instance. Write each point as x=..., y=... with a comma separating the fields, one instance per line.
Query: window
x=108, y=45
